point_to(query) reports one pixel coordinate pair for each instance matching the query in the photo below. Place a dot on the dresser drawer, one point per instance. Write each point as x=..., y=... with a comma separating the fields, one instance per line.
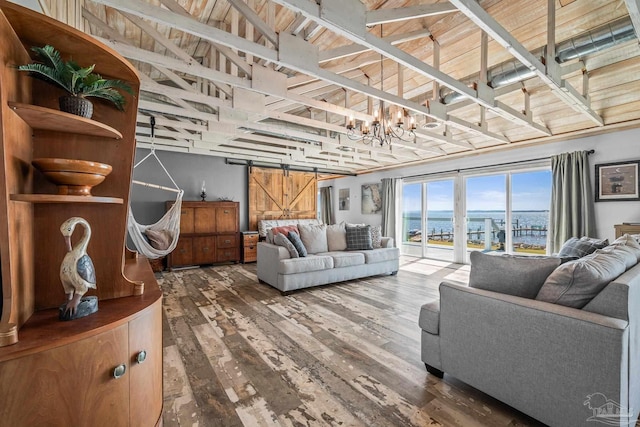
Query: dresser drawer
x=250, y=239
x=227, y=241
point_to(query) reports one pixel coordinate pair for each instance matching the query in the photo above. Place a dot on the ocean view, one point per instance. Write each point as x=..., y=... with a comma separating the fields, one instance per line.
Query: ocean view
x=530, y=226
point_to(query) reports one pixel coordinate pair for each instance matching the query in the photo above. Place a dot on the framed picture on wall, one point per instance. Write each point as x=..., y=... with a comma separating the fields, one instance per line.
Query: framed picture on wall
x=371, y=198
x=617, y=181
x=343, y=199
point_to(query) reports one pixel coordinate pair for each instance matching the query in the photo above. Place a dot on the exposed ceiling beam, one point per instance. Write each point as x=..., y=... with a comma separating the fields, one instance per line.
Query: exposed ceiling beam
x=251, y=16
x=384, y=16
x=549, y=75
x=354, y=49
x=633, y=6
x=337, y=15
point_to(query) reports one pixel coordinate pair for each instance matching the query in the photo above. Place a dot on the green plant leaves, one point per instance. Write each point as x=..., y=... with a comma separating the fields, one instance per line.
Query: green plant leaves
x=73, y=78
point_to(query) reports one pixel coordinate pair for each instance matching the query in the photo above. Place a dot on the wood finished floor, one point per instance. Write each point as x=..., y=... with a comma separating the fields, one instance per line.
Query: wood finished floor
x=237, y=353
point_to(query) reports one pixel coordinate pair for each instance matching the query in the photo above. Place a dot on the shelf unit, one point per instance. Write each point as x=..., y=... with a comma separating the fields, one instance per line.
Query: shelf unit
x=45, y=364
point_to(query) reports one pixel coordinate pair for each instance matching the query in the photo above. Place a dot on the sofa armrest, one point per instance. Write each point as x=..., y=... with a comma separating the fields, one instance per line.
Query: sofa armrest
x=387, y=242
x=268, y=259
x=498, y=343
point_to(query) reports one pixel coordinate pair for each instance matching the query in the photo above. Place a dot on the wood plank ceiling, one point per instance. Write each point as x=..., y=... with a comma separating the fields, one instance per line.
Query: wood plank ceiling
x=276, y=81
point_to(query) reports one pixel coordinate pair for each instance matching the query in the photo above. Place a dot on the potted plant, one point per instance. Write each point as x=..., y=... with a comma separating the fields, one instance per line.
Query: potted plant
x=80, y=83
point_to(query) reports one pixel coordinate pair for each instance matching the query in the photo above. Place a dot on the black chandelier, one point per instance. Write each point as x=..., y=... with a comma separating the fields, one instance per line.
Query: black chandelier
x=381, y=132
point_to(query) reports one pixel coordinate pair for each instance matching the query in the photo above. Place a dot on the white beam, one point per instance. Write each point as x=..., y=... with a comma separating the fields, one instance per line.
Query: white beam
x=480, y=17
x=383, y=16
x=252, y=17
x=633, y=6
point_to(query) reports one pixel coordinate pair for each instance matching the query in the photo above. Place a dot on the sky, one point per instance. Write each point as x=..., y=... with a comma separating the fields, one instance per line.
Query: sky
x=530, y=191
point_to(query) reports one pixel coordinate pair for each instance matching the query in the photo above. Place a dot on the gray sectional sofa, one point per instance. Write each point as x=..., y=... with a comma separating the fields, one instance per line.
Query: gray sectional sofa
x=278, y=268
x=566, y=365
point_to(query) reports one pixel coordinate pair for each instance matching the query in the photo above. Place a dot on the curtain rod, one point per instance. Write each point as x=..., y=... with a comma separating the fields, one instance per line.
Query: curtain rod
x=483, y=167
x=242, y=162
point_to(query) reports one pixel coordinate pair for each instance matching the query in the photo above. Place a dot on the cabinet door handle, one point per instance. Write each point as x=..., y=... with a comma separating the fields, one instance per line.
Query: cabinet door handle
x=227, y=241
x=205, y=249
x=141, y=357
x=119, y=371
x=226, y=211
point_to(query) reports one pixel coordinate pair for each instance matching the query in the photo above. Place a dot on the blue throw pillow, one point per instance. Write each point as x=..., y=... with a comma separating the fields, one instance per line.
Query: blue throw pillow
x=295, y=239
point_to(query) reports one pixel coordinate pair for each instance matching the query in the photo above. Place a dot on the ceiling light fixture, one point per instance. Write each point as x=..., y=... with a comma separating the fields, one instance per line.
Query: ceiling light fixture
x=381, y=132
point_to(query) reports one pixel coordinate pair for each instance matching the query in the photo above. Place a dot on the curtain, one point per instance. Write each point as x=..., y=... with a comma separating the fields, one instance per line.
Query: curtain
x=572, y=207
x=326, y=205
x=389, y=207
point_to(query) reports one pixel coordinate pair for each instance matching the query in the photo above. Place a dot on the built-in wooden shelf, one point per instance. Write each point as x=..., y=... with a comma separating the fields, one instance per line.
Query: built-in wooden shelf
x=48, y=119
x=55, y=198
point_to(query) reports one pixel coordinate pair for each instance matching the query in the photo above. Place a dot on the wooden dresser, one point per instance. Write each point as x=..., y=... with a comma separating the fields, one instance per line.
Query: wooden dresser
x=627, y=229
x=106, y=368
x=209, y=234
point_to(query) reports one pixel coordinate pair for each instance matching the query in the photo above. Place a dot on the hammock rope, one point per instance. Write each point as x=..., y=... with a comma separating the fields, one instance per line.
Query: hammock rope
x=170, y=221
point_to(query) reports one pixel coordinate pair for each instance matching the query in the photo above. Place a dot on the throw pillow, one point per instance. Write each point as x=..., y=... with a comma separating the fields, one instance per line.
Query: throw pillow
x=376, y=236
x=577, y=282
x=359, y=238
x=628, y=241
x=578, y=248
x=160, y=239
x=295, y=239
x=314, y=238
x=522, y=276
x=282, y=240
x=337, y=237
x=282, y=229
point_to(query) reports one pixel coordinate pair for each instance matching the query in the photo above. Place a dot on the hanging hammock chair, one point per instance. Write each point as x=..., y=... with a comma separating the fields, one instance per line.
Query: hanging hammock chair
x=159, y=239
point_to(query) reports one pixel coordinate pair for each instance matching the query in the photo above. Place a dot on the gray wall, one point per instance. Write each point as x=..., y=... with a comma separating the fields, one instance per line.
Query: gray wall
x=188, y=171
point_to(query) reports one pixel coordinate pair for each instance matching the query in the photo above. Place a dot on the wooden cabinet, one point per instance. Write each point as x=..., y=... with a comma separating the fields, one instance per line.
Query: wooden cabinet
x=627, y=229
x=208, y=234
x=249, y=246
x=54, y=372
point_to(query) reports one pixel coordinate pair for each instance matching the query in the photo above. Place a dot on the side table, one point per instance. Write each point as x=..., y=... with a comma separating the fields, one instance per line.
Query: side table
x=249, y=246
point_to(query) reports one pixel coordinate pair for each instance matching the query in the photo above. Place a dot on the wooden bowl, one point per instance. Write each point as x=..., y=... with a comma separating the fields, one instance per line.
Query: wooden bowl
x=73, y=177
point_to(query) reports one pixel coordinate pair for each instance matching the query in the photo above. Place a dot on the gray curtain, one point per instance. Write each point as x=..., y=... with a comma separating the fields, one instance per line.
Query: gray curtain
x=572, y=209
x=326, y=205
x=388, y=228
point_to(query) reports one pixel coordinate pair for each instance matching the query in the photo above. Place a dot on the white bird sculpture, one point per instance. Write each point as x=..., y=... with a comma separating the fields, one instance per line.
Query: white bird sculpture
x=77, y=273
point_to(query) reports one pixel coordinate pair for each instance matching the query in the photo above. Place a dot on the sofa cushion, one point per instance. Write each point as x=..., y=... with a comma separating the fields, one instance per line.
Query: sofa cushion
x=429, y=319
x=521, y=276
x=345, y=259
x=578, y=248
x=381, y=255
x=295, y=239
x=575, y=283
x=305, y=265
x=359, y=237
x=314, y=238
x=337, y=237
x=376, y=236
x=630, y=242
x=282, y=240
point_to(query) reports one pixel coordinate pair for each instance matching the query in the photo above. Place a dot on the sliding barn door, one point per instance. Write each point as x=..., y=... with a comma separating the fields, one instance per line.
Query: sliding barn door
x=280, y=194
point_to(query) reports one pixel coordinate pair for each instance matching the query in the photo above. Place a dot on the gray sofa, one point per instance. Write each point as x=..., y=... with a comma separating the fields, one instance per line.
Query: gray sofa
x=277, y=268
x=561, y=365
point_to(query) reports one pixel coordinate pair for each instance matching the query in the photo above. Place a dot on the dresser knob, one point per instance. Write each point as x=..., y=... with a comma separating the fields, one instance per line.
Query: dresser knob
x=142, y=356
x=227, y=241
x=119, y=371
x=205, y=249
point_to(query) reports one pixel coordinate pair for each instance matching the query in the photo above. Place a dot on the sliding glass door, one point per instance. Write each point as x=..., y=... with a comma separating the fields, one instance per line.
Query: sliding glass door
x=427, y=226
x=505, y=212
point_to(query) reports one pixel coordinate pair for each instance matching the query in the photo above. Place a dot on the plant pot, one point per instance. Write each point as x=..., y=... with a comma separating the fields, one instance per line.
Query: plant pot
x=76, y=105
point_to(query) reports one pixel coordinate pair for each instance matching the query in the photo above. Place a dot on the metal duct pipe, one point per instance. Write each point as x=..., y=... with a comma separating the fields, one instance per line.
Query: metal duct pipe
x=592, y=41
